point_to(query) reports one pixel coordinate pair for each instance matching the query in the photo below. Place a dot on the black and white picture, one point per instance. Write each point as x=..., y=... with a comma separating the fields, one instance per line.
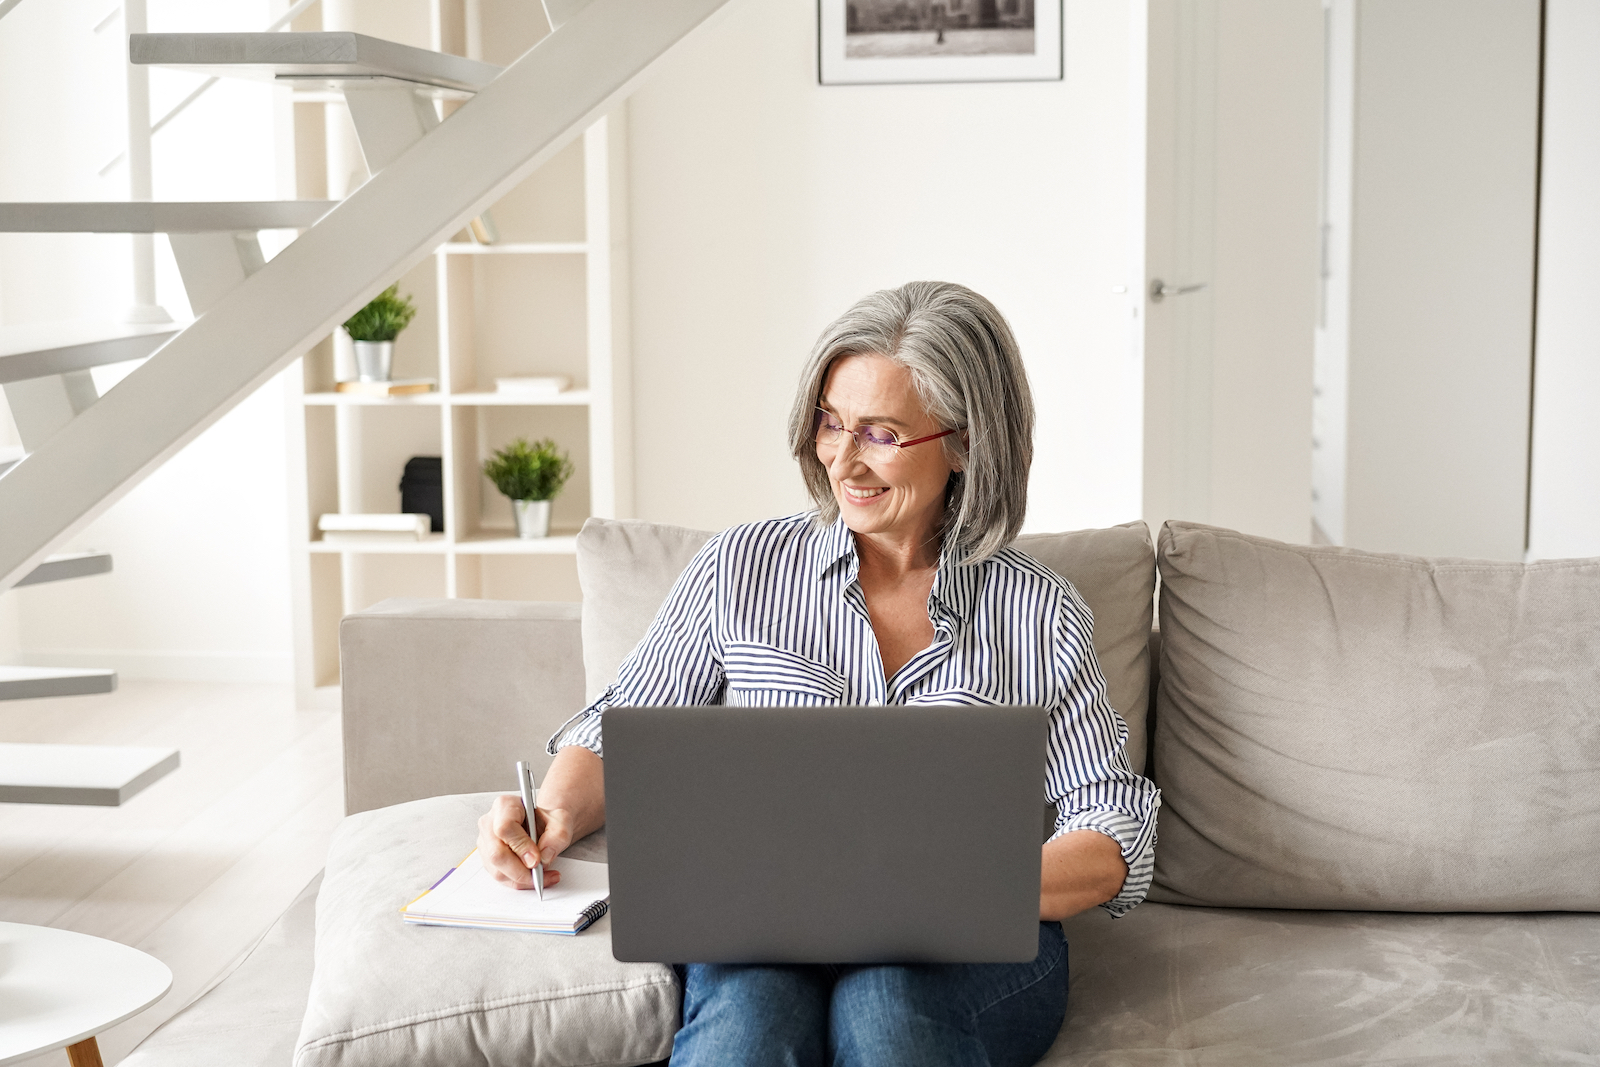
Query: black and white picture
x=938, y=40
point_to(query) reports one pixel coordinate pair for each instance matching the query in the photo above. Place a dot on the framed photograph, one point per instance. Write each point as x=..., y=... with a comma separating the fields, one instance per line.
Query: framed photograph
x=868, y=41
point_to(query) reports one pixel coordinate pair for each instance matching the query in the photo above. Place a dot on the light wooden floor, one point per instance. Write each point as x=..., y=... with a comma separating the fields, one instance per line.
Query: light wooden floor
x=194, y=869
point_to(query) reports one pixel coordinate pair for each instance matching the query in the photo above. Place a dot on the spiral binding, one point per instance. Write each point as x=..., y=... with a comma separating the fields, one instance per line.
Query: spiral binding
x=591, y=913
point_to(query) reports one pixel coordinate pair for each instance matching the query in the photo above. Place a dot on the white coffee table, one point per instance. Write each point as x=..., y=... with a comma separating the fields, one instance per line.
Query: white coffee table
x=58, y=989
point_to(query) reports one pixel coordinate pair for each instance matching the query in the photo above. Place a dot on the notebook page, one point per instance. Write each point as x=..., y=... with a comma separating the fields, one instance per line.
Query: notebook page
x=470, y=892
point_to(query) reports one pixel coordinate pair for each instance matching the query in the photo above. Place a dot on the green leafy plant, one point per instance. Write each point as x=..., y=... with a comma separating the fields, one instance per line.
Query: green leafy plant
x=383, y=318
x=529, y=472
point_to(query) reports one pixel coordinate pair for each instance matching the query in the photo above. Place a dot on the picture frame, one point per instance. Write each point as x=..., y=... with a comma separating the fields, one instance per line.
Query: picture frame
x=865, y=42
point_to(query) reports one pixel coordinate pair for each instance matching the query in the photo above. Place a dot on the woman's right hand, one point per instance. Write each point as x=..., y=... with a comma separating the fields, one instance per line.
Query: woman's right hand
x=571, y=804
x=509, y=853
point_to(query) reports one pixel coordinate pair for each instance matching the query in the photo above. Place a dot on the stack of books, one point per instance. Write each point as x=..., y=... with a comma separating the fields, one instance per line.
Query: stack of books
x=545, y=386
x=382, y=527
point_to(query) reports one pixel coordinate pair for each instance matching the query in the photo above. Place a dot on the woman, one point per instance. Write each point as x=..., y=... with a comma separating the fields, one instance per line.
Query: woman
x=913, y=428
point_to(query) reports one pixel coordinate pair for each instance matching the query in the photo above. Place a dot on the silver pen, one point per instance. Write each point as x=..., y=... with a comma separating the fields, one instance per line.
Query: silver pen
x=529, y=796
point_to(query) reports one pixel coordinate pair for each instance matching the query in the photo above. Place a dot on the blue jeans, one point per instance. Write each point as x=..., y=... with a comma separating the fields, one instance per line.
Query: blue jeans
x=809, y=1015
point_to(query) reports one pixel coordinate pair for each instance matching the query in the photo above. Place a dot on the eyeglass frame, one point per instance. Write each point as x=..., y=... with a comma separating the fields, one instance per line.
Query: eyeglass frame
x=854, y=435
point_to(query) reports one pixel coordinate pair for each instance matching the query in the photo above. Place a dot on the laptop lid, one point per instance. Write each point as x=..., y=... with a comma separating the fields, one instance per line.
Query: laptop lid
x=824, y=834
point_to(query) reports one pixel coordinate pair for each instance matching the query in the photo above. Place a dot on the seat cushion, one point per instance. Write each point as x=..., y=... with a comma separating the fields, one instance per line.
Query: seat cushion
x=1341, y=729
x=1175, y=986
x=386, y=993
x=627, y=569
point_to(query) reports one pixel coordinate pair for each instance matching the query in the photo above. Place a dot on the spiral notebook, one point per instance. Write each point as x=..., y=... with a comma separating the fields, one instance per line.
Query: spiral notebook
x=468, y=895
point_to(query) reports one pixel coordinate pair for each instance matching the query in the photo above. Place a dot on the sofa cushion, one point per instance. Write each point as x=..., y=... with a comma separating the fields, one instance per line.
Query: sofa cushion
x=386, y=993
x=1174, y=986
x=627, y=569
x=1114, y=571
x=506, y=671
x=1340, y=729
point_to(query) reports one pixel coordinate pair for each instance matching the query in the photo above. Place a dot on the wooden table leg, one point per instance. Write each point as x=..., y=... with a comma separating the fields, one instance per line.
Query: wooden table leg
x=85, y=1053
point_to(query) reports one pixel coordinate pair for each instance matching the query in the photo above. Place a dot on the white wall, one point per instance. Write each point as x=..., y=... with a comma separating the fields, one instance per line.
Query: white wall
x=764, y=204
x=200, y=586
x=1564, y=502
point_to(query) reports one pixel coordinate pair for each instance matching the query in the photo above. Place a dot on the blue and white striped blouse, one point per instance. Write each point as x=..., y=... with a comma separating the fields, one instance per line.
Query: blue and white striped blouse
x=771, y=613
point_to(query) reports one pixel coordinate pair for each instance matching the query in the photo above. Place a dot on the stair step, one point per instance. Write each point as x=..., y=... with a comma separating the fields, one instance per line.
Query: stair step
x=59, y=568
x=27, y=683
x=325, y=56
x=42, y=349
x=138, y=216
x=105, y=775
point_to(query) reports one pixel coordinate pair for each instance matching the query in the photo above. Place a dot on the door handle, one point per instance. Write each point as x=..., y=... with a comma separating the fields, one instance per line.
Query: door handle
x=1160, y=289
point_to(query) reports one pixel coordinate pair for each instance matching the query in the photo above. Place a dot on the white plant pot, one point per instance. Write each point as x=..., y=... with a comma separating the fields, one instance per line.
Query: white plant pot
x=532, y=518
x=374, y=360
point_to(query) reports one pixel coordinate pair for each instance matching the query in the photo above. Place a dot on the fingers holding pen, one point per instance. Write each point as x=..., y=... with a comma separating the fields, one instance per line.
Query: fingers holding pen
x=507, y=850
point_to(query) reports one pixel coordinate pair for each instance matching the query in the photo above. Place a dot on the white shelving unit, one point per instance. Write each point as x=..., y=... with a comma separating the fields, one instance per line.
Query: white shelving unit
x=549, y=298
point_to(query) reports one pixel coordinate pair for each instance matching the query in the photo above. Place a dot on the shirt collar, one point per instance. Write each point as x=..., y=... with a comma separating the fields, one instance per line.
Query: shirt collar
x=955, y=585
x=831, y=544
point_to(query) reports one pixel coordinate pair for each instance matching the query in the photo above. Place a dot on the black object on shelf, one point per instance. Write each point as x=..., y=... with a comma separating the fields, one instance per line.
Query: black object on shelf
x=422, y=490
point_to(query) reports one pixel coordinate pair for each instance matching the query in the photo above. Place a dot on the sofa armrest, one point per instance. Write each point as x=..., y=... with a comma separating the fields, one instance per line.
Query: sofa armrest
x=443, y=696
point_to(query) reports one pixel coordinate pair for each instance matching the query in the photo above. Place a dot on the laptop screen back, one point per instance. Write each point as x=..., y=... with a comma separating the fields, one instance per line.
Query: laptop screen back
x=824, y=834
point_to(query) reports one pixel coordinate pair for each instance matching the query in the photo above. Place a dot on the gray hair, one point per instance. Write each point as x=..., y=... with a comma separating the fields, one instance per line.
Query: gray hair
x=968, y=372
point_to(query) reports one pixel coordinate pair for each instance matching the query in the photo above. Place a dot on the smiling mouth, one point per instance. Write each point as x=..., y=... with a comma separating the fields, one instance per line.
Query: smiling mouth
x=866, y=494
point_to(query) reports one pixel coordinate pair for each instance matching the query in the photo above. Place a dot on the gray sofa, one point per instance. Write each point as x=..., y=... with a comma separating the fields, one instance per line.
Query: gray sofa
x=1380, y=833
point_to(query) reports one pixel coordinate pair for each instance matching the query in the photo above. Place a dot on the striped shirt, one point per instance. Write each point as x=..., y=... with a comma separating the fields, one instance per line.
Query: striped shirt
x=771, y=613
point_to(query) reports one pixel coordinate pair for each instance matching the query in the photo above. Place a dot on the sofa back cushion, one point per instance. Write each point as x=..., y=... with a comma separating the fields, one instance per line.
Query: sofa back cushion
x=1346, y=730
x=437, y=694
x=627, y=569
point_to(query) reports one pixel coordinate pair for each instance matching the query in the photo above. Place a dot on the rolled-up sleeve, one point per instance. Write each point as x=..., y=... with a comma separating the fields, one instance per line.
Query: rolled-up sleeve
x=1088, y=777
x=675, y=664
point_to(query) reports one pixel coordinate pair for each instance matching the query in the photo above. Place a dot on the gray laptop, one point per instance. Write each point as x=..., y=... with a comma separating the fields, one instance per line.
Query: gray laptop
x=824, y=835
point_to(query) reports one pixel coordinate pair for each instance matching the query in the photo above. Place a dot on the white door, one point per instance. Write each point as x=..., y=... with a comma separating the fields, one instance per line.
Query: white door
x=1234, y=120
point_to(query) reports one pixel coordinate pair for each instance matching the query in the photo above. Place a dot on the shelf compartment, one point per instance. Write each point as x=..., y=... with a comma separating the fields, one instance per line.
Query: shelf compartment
x=529, y=318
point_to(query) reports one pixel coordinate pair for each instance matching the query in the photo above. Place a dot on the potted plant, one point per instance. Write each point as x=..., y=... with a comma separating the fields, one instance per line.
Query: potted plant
x=531, y=476
x=374, y=328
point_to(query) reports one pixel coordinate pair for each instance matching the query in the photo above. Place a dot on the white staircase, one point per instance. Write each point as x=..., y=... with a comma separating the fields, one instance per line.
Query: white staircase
x=431, y=176
x=29, y=683
x=59, y=568
x=45, y=369
x=429, y=181
x=72, y=774
x=327, y=57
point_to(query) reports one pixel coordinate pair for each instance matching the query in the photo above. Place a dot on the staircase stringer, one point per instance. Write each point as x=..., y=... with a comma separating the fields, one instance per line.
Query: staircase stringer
x=388, y=225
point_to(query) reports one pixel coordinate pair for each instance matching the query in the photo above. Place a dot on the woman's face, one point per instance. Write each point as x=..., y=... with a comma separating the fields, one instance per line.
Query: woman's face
x=896, y=493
